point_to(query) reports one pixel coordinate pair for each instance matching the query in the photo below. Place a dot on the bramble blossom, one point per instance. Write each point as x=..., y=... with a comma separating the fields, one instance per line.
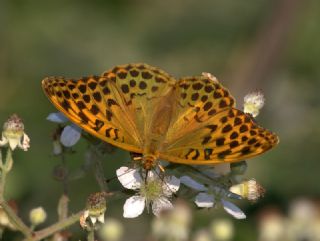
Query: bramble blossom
x=71, y=133
x=209, y=197
x=150, y=191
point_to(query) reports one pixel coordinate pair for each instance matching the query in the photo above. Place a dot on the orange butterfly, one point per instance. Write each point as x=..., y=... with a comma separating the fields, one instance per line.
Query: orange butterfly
x=143, y=109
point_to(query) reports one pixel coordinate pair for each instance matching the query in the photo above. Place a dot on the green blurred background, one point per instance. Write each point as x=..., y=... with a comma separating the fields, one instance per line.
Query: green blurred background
x=249, y=45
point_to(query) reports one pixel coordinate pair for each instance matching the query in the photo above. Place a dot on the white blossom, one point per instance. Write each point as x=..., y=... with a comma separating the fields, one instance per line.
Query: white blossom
x=71, y=134
x=208, y=198
x=150, y=191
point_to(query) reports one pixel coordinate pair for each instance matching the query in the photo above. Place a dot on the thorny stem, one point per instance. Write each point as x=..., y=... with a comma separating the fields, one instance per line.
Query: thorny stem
x=63, y=223
x=19, y=224
x=4, y=170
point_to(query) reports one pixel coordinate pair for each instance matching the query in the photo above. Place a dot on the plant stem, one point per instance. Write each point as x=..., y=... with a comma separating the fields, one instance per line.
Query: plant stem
x=17, y=222
x=96, y=157
x=46, y=232
x=90, y=236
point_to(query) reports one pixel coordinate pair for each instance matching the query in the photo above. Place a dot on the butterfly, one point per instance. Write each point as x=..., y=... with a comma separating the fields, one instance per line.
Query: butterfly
x=142, y=109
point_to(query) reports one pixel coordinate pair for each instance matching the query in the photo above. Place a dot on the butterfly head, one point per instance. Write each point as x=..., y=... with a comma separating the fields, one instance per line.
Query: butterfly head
x=149, y=161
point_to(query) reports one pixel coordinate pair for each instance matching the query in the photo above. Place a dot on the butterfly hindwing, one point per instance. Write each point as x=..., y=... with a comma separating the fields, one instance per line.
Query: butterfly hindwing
x=208, y=129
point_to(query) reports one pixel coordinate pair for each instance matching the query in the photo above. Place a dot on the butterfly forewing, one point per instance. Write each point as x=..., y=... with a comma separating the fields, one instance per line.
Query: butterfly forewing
x=116, y=107
x=90, y=103
x=143, y=89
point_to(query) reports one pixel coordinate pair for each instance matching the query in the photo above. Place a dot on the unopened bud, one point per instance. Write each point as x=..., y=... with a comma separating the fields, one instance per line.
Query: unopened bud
x=253, y=102
x=13, y=134
x=57, y=148
x=37, y=216
x=222, y=230
x=96, y=207
x=111, y=230
x=250, y=190
x=210, y=77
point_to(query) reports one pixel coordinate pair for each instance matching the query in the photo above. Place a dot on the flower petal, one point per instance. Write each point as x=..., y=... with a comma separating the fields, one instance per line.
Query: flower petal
x=171, y=185
x=25, y=144
x=3, y=141
x=204, y=200
x=133, y=206
x=189, y=182
x=233, y=209
x=160, y=205
x=57, y=117
x=70, y=135
x=129, y=178
x=101, y=218
x=14, y=142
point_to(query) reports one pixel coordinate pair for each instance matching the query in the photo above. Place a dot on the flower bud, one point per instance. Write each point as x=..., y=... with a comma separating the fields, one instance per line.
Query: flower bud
x=96, y=207
x=13, y=134
x=57, y=148
x=250, y=190
x=111, y=230
x=210, y=76
x=222, y=230
x=253, y=102
x=202, y=235
x=37, y=216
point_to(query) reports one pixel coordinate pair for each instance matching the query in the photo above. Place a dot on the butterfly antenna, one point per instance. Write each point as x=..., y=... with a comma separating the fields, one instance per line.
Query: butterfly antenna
x=114, y=177
x=161, y=168
x=162, y=178
x=146, y=177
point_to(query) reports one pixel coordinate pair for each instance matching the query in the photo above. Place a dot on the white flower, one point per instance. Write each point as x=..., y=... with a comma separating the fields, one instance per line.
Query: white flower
x=253, y=102
x=152, y=191
x=13, y=134
x=209, y=197
x=71, y=133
